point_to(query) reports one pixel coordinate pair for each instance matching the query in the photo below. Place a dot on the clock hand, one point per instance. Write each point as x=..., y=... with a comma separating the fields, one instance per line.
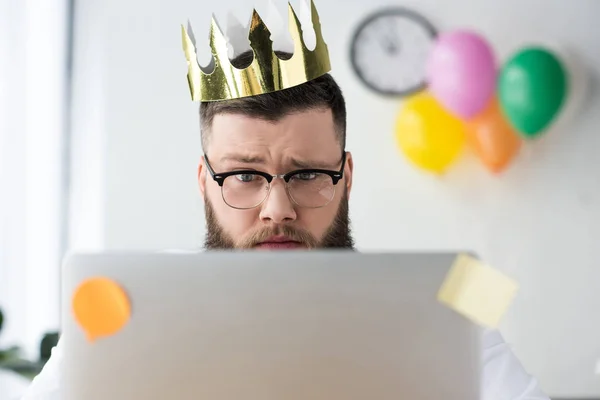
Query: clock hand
x=390, y=39
x=390, y=45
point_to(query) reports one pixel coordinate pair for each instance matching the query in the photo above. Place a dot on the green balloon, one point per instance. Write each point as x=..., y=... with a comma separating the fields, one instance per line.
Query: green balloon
x=532, y=90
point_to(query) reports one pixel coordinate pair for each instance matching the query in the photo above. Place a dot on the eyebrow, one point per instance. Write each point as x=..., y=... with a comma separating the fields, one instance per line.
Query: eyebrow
x=244, y=159
x=313, y=164
x=296, y=163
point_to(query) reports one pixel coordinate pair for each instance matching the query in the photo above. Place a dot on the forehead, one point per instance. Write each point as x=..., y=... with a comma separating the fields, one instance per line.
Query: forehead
x=310, y=131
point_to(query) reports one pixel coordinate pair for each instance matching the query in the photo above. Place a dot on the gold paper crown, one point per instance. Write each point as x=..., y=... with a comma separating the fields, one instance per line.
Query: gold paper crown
x=267, y=73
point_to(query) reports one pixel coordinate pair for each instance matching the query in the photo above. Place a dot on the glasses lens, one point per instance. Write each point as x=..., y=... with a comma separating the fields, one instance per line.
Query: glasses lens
x=310, y=189
x=245, y=190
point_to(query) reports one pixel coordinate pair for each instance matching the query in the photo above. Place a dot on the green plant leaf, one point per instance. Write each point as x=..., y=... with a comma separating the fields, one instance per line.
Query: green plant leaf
x=12, y=353
x=49, y=341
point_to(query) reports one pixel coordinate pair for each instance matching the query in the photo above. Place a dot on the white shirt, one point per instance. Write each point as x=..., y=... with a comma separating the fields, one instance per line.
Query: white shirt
x=504, y=378
x=12, y=385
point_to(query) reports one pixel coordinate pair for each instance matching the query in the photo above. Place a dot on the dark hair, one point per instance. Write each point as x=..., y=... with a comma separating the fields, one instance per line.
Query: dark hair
x=319, y=93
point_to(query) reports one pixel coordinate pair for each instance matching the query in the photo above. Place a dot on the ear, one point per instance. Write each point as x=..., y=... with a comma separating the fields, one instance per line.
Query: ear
x=202, y=176
x=348, y=170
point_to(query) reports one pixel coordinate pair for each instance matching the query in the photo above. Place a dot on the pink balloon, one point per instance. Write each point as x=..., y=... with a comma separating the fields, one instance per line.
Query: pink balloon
x=461, y=72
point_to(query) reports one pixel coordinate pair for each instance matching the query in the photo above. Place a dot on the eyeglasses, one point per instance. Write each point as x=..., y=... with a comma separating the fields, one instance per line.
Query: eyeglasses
x=246, y=189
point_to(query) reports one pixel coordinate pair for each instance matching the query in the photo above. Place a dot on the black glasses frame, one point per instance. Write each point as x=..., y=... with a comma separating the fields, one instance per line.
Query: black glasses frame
x=220, y=177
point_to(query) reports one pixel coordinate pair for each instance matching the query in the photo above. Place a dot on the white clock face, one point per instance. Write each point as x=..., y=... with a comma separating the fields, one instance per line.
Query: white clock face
x=390, y=49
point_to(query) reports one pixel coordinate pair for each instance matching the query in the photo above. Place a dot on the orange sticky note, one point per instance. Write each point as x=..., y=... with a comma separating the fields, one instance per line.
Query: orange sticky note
x=101, y=307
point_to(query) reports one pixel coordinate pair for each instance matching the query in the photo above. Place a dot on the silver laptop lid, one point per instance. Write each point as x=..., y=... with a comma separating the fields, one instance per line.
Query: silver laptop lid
x=272, y=326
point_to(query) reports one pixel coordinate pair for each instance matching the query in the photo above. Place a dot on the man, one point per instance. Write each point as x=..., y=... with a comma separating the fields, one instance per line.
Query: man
x=276, y=176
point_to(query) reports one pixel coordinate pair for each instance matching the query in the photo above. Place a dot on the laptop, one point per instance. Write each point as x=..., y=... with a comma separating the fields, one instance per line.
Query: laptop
x=255, y=325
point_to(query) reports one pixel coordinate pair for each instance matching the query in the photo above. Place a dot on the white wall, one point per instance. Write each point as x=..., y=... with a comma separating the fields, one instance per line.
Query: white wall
x=33, y=61
x=538, y=222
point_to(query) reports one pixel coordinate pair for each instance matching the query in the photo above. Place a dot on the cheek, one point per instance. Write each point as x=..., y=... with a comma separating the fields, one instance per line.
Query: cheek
x=318, y=221
x=235, y=222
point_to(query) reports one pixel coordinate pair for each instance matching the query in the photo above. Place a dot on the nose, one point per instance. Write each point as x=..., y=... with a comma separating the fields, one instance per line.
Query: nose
x=278, y=208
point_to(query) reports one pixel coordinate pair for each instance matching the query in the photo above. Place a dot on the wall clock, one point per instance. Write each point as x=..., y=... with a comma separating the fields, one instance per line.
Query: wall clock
x=389, y=50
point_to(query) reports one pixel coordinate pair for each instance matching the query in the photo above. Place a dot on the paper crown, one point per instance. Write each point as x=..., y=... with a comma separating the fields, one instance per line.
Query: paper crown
x=267, y=73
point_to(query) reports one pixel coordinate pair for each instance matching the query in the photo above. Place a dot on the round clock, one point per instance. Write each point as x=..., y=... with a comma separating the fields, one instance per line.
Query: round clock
x=389, y=51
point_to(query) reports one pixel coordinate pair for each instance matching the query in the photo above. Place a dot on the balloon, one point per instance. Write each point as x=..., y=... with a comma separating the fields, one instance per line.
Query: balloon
x=532, y=89
x=492, y=137
x=578, y=88
x=461, y=72
x=429, y=136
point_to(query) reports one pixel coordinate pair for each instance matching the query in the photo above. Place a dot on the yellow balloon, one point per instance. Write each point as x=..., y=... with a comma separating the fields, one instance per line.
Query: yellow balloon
x=428, y=135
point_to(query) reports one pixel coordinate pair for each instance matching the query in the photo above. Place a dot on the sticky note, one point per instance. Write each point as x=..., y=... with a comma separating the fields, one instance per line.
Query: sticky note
x=477, y=291
x=101, y=307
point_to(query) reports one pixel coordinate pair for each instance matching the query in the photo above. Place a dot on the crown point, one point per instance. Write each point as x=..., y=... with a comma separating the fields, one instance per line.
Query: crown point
x=183, y=36
x=217, y=38
x=315, y=16
x=190, y=32
x=189, y=46
x=294, y=26
x=257, y=21
x=259, y=35
x=291, y=8
x=214, y=23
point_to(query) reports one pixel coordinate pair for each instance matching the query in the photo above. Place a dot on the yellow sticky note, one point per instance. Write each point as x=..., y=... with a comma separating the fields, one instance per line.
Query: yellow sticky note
x=477, y=291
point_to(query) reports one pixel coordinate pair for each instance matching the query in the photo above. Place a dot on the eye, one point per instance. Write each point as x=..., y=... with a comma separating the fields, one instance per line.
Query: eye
x=245, y=177
x=306, y=176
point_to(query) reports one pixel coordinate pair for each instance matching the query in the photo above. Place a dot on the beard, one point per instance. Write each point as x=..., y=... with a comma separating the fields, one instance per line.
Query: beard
x=337, y=236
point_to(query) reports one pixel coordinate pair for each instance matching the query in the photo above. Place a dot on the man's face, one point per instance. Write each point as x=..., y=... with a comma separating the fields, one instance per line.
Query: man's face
x=305, y=138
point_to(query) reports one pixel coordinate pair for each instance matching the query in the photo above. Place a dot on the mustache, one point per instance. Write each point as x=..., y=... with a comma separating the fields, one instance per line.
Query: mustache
x=294, y=234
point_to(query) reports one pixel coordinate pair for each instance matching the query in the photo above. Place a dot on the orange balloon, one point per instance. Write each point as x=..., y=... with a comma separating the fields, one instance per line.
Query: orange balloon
x=492, y=137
